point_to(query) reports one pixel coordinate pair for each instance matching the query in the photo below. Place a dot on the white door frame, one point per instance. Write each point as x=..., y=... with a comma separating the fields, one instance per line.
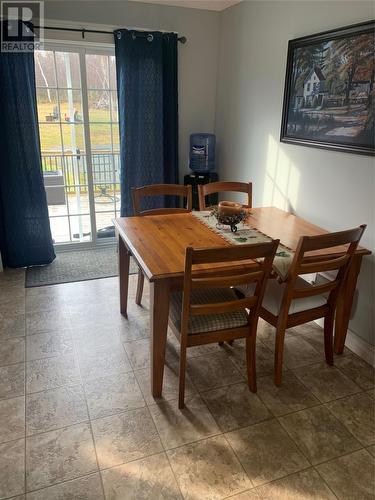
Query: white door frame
x=82, y=48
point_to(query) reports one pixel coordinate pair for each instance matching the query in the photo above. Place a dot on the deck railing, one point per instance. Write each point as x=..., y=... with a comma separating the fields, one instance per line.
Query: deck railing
x=73, y=168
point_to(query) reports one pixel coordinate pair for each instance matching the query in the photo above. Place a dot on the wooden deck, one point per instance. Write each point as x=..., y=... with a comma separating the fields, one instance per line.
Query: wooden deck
x=60, y=215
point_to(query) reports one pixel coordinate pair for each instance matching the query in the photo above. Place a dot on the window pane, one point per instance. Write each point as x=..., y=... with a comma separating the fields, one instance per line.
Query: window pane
x=56, y=209
x=112, y=72
x=104, y=196
x=114, y=106
x=78, y=200
x=118, y=196
x=104, y=220
x=57, y=200
x=67, y=66
x=73, y=138
x=102, y=168
x=48, y=110
x=100, y=137
x=99, y=105
x=50, y=138
x=115, y=138
x=81, y=228
x=52, y=162
x=44, y=69
x=60, y=229
x=75, y=171
x=71, y=106
x=97, y=71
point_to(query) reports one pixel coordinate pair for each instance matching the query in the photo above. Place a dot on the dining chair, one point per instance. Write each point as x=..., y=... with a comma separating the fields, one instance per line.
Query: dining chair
x=296, y=301
x=224, y=187
x=138, y=193
x=208, y=310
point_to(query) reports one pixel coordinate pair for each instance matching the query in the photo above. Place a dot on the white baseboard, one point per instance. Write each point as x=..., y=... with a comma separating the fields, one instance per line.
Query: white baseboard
x=359, y=346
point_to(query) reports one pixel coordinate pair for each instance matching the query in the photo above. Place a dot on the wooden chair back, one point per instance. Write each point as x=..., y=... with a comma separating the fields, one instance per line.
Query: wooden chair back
x=239, y=268
x=162, y=190
x=219, y=277
x=308, y=264
x=224, y=187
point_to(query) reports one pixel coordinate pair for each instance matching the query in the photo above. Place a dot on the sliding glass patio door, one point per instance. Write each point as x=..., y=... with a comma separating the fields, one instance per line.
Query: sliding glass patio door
x=78, y=124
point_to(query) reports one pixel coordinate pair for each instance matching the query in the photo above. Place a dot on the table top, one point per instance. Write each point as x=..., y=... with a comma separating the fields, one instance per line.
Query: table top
x=158, y=242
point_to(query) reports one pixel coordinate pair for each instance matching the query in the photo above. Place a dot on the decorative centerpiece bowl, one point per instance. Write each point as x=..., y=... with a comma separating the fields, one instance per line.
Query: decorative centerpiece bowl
x=229, y=213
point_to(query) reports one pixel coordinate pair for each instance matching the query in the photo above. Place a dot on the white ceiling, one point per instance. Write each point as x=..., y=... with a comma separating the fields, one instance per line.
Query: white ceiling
x=195, y=4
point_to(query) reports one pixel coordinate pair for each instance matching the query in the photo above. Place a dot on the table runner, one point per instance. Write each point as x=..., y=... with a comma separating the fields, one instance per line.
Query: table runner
x=248, y=235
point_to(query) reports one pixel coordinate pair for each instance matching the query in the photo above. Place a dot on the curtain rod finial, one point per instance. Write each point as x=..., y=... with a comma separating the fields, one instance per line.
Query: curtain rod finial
x=182, y=39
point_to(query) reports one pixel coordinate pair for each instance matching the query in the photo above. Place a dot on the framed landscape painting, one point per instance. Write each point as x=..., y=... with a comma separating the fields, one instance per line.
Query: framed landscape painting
x=329, y=98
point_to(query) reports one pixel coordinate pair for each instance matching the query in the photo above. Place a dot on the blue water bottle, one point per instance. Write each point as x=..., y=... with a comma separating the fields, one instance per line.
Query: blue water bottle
x=202, y=152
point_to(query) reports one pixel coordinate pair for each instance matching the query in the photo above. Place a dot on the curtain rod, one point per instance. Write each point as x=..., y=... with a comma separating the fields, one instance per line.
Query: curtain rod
x=83, y=31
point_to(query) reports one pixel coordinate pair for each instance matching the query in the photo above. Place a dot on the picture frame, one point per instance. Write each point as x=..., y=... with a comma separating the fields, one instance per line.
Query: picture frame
x=329, y=93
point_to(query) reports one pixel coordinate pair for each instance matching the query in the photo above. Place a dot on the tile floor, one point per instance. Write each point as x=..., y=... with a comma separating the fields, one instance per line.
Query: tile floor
x=77, y=420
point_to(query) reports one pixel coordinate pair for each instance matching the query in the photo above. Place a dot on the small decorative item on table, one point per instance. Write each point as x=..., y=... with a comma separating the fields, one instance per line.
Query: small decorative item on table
x=230, y=214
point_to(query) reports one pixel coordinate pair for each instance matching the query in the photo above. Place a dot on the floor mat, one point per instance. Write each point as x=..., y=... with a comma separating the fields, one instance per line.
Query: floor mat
x=77, y=265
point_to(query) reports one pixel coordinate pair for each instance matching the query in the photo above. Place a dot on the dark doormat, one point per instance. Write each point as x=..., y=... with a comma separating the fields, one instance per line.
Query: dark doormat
x=77, y=265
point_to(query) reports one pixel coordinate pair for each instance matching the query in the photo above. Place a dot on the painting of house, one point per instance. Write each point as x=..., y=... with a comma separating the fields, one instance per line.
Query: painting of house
x=330, y=93
x=314, y=88
x=298, y=98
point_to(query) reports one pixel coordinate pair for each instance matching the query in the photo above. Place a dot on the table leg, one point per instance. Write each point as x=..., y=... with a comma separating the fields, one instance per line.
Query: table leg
x=123, y=272
x=159, y=311
x=345, y=303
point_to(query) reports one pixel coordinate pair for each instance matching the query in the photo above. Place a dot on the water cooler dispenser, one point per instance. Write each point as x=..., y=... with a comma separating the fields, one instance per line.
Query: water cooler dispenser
x=202, y=163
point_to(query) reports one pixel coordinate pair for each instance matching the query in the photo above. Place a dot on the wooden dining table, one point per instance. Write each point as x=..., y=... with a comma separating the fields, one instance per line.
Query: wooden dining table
x=158, y=244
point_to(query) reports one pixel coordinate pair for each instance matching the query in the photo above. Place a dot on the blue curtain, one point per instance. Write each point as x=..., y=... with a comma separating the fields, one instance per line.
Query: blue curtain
x=25, y=234
x=146, y=65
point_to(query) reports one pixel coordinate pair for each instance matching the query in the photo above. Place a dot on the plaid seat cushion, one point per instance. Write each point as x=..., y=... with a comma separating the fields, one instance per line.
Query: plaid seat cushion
x=210, y=322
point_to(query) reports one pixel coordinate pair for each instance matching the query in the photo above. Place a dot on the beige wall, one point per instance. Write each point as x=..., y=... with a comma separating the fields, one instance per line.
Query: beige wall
x=198, y=58
x=334, y=190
